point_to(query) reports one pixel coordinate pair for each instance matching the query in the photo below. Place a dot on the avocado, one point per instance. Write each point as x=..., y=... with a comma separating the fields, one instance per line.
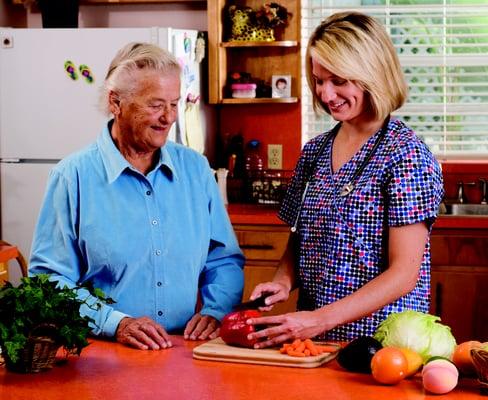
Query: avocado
x=356, y=355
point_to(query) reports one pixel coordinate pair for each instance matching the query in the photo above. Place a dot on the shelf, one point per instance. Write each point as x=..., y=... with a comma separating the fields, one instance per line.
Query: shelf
x=264, y=100
x=276, y=43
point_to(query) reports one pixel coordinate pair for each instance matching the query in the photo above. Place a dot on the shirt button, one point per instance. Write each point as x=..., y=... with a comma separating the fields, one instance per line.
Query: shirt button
x=148, y=193
x=160, y=313
x=154, y=222
x=158, y=252
x=159, y=283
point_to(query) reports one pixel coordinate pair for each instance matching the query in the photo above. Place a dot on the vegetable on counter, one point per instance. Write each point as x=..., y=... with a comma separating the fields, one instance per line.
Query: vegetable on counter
x=462, y=359
x=356, y=355
x=305, y=348
x=417, y=331
x=234, y=330
x=389, y=366
x=439, y=376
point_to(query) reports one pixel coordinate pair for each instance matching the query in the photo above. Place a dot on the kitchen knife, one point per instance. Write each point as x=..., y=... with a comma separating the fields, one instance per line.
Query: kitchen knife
x=252, y=304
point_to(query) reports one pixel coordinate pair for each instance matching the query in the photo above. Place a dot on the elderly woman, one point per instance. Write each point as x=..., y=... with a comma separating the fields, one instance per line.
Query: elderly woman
x=363, y=197
x=141, y=217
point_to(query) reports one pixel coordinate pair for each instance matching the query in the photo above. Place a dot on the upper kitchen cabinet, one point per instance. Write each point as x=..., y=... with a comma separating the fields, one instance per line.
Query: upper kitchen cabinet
x=260, y=58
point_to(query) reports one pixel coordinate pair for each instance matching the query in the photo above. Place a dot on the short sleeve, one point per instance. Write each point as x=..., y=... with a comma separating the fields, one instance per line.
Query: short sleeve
x=415, y=188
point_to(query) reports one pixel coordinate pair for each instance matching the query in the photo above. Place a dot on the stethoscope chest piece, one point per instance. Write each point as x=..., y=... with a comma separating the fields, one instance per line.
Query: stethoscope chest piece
x=346, y=189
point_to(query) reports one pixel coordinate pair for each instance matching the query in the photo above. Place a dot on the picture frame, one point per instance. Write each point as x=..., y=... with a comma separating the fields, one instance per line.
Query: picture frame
x=280, y=86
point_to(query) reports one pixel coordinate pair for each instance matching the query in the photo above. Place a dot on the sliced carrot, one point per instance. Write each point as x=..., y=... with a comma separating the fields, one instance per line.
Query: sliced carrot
x=296, y=353
x=310, y=346
x=300, y=347
x=326, y=348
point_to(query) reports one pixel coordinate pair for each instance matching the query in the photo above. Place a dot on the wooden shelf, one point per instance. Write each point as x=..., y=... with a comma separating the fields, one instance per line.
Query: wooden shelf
x=263, y=100
x=261, y=59
x=277, y=43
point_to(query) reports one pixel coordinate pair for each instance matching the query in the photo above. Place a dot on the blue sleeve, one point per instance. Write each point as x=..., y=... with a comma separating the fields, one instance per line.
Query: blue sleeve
x=222, y=280
x=415, y=188
x=55, y=249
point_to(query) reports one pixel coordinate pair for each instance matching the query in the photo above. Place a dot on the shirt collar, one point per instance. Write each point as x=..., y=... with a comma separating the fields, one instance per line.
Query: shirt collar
x=115, y=163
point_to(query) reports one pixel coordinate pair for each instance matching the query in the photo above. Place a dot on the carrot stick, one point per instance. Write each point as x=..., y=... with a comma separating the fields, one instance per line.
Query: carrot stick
x=310, y=346
x=300, y=347
x=326, y=349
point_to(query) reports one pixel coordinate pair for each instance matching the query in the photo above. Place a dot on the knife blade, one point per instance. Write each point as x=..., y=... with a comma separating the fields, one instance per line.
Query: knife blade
x=252, y=304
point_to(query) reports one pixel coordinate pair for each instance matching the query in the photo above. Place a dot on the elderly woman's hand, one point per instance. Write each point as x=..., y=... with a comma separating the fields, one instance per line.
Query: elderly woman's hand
x=142, y=333
x=202, y=327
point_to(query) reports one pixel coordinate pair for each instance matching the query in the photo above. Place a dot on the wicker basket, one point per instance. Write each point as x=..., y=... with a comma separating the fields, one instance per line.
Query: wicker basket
x=39, y=352
x=480, y=360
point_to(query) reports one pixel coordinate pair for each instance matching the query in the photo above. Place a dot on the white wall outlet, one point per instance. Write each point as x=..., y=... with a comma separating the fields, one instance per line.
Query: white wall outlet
x=275, y=156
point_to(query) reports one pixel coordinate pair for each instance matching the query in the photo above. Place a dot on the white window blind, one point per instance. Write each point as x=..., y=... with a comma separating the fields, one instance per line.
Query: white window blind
x=443, y=49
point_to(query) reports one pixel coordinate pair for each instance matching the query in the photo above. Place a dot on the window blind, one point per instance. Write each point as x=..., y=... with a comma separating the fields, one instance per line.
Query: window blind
x=443, y=49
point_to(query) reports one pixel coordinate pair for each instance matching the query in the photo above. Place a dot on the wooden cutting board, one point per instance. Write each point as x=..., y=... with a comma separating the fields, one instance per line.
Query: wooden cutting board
x=217, y=350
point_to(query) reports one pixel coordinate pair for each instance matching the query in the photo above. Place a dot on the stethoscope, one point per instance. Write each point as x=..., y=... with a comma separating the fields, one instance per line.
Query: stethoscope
x=348, y=187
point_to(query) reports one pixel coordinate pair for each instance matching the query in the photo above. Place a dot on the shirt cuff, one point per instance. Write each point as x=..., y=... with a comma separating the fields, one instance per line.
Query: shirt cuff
x=112, y=323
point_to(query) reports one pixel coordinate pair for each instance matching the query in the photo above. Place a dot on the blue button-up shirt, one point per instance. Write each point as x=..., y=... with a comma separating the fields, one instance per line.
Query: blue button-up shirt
x=152, y=242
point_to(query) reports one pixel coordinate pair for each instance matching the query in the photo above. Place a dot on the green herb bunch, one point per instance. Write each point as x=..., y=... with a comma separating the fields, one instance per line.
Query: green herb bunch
x=39, y=302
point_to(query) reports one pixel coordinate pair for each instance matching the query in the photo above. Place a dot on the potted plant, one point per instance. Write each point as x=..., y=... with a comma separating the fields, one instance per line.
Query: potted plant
x=38, y=317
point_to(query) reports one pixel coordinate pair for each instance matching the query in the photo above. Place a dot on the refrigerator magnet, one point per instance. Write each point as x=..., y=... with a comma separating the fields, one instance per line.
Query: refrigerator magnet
x=86, y=73
x=70, y=69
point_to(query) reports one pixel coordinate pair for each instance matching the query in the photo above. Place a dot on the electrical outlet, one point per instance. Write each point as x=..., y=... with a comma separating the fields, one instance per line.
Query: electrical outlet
x=275, y=156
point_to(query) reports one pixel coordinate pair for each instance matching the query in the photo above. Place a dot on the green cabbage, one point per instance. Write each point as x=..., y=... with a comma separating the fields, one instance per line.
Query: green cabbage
x=416, y=331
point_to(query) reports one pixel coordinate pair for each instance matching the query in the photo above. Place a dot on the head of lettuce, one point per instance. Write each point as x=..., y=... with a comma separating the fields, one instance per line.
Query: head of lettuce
x=417, y=331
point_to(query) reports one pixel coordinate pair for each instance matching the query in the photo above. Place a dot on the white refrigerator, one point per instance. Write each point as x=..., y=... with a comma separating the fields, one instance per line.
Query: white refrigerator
x=49, y=90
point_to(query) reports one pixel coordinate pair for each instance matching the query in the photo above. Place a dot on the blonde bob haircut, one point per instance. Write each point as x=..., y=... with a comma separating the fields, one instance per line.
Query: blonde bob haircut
x=356, y=47
x=127, y=65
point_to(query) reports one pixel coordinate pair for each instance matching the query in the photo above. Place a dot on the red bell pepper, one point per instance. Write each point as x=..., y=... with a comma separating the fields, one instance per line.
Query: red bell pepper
x=234, y=330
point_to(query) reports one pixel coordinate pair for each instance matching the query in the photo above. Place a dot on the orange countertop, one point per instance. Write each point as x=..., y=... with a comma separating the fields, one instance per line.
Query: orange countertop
x=253, y=214
x=108, y=370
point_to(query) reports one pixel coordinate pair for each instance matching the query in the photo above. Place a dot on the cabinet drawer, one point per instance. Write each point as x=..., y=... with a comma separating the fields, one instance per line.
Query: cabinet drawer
x=265, y=245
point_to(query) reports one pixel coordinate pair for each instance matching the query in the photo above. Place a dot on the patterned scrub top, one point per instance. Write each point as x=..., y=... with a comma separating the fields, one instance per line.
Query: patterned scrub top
x=343, y=240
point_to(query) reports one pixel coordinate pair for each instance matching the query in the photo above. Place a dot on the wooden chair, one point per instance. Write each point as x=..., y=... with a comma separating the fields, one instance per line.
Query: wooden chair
x=9, y=252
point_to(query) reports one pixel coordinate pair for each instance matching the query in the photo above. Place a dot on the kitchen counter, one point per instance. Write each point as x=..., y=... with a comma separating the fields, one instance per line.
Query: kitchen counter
x=108, y=370
x=253, y=214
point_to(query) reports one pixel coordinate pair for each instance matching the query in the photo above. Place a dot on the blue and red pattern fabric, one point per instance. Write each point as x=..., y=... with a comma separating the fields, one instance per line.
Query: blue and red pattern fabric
x=343, y=240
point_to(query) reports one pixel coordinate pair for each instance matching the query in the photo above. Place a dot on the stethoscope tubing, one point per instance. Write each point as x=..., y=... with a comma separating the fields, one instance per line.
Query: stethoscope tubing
x=348, y=187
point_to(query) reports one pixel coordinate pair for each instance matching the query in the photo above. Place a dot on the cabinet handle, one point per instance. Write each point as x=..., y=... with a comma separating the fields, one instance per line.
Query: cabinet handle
x=438, y=299
x=257, y=246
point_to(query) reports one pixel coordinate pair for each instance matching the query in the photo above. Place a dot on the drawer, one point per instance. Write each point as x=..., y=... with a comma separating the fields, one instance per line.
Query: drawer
x=262, y=243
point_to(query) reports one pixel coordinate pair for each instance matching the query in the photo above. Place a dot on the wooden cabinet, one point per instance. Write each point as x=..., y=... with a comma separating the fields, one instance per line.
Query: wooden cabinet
x=263, y=247
x=459, y=283
x=260, y=59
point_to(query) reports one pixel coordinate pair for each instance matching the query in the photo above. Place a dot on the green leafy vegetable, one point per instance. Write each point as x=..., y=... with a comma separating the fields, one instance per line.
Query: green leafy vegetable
x=417, y=331
x=39, y=301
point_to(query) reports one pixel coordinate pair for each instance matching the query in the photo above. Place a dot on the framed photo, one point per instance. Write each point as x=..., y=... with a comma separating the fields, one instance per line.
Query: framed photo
x=281, y=86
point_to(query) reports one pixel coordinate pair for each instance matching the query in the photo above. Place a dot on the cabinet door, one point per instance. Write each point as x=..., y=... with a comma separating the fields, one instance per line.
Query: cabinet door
x=460, y=298
x=263, y=247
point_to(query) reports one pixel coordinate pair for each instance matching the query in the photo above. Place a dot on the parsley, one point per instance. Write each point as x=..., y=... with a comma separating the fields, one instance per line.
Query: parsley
x=39, y=302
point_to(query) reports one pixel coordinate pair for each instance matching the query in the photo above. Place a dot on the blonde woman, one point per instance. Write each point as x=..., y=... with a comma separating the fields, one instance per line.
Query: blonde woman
x=363, y=197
